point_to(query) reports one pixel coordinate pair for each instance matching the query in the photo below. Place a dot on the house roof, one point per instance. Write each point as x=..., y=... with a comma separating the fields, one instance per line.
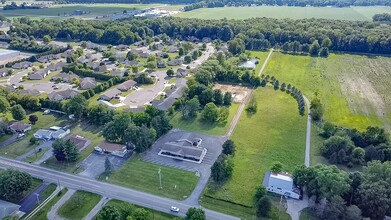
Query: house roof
x=23, y=64
x=79, y=141
x=87, y=83
x=110, y=94
x=44, y=133
x=32, y=92
x=60, y=95
x=7, y=208
x=66, y=77
x=111, y=147
x=127, y=85
x=172, y=95
x=19, y=126
x=183, y=150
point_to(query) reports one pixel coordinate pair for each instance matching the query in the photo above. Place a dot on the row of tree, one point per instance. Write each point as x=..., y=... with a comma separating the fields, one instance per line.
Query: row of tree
x=385, y=17
x=29, y=46
x=336, y=194
x=352, y=36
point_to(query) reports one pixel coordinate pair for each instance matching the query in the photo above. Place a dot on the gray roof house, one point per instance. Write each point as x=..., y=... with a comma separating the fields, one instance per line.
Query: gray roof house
x=87, y=83
x=182, y=72
x=172, y=96
x=32, y=92
x=125, y=86
x=47, y=58
x=19, y=126
x=22, y=65
x=53, y=133
x=65, y=77
x=61, y=95
x=57, y=66
x=175, y=62
x=8, y=209
x=39, y=74
x=4, y=72
x=112, y=93
x=184, y=149
x=67, y=53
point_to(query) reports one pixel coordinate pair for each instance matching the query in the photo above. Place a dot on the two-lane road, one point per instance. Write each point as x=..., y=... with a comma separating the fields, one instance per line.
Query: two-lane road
x=105, y=189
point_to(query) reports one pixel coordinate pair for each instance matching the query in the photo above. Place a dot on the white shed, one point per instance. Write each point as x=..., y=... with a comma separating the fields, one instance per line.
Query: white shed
x=281, y=183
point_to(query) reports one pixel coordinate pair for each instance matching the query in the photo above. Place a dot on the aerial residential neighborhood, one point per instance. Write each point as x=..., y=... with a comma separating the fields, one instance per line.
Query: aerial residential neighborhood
x=217, y=110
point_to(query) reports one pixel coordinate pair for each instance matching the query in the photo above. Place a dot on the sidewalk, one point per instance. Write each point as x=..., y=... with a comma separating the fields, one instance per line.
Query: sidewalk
x=52, y=214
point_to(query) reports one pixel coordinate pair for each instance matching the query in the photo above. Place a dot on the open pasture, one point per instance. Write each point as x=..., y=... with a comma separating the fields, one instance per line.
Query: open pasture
x=280, y=12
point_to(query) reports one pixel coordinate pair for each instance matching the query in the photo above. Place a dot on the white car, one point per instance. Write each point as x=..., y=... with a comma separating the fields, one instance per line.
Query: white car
x=174, y=209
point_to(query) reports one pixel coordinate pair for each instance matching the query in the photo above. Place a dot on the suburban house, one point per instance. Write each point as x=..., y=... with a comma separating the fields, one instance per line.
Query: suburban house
x=144, y=54
x=173, y=50
x=47, y=58
x=161, y=64
x=9, y=209
x=80, y=142
x=19, y=127
x=65, y=77
x=57, y=66
x=281, y=183
x=61, y=95
x=175, y=62
x=4, y=72
x=111, y=148
x=132, y=63
x=39, y=74
x=53, y=133
x=184, y=149
x=22, y=65
x=119, y=73
x=127, y=85
x=181, y=72
x=122, y=47
x=172, y=95
x=109, y=95
x=87, y=83
x=67, y=53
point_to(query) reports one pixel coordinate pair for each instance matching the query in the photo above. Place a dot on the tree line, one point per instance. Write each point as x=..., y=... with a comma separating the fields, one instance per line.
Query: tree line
x=259, y=33
x=336, y=194
x=385, y=17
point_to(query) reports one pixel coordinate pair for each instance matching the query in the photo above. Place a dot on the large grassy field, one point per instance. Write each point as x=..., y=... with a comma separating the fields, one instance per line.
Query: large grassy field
x=199, y=126
x=79, y=205
x=143, y=176
x=92, y=10
x=351, y=13
x=155, y=215
x=354, y=89
x=275, y=133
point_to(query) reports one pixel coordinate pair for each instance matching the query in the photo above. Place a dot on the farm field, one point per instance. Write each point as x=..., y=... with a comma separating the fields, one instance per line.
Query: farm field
x=143, y=176
x=351, y=13
x=199, y=126
x=79, y=205
x=156, y=215
x=271, y=139
x=354, y=89
x=92, y=10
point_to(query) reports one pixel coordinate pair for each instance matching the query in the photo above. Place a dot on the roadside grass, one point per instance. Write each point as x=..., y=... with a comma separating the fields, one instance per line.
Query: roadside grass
x=197, y=125
x=330, y=78
x=281, y=12
x=79, y=205
x=36, y=156
x=90, y=132
x=23, y=146
x=42, y=213
x=156, y=215
x=275, y=133
x=5, y=137
x=143, y=176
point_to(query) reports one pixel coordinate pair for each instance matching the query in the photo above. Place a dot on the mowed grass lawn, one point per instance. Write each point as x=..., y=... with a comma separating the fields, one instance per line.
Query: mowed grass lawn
x=202, y=127
x=354, y=89
x=279, y=12
x=155, y=215
x=23, y=146
x=144, y=176
x=276, y=133
x=79, y=205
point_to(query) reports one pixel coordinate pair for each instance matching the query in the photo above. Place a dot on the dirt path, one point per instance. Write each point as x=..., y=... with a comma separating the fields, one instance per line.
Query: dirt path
x=52, y=214
x=243, y=104
x=308, y=134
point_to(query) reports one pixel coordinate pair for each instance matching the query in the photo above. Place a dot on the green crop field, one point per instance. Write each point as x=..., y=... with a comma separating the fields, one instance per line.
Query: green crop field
x=277, y=133
x=79, y=205
x=140, y=175
x=92, y=10
x=354, y=89
x=351, y=13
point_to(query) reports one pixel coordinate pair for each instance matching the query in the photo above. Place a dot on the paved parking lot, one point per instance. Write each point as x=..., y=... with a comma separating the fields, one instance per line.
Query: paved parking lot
x=94, y=165
x=212, y=143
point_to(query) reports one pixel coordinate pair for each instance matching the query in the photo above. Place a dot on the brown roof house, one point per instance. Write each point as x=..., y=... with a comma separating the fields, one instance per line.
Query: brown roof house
x=19, y=127
x=80, y=142
x=111, y=148
x=39, y=74
x=61, y=95
x=87, y=83
x=109, y=95
x=127, y=85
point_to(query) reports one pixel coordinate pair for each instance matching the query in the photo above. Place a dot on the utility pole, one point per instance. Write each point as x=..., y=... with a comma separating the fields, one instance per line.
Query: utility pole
x=160, y=177
x=37, y=197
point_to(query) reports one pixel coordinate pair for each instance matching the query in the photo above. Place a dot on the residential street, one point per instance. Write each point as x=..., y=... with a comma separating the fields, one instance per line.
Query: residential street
x=107, y=190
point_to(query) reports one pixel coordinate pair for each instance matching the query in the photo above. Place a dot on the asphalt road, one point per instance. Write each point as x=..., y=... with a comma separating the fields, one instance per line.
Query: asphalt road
x=107, y=190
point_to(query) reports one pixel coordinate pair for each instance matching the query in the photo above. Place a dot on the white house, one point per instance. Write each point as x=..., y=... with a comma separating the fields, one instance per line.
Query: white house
x=53, y=133
x=281, y=183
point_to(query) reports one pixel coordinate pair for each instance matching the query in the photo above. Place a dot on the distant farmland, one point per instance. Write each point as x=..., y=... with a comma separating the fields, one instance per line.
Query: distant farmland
x=351, y=13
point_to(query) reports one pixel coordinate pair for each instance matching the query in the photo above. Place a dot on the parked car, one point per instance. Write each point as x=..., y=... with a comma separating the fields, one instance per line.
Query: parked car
x=174, y=209
x=21, y=135
x=47, y=111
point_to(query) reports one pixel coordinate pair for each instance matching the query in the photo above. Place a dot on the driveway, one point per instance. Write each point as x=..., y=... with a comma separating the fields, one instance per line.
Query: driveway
x=94, y=165
x=9, y=141
x=35, y=149
x=27, y=204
